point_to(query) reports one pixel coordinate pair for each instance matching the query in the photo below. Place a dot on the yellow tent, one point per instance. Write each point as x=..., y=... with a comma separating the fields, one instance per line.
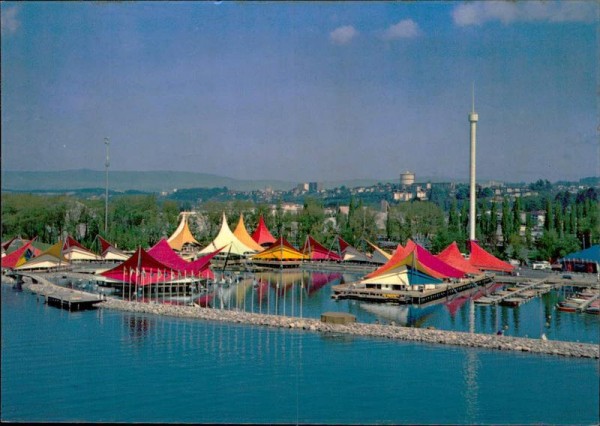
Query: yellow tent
x=51, y=258
x=280, y=250
x=242, y=234
x=182, y=235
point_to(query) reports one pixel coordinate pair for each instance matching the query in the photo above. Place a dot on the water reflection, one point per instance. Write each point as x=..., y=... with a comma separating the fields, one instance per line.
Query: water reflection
x=307, y=294
x=471, y=366
x=137, y=326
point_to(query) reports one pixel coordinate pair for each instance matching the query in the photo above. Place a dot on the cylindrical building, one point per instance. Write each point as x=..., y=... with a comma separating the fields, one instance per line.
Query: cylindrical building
x=407, y=178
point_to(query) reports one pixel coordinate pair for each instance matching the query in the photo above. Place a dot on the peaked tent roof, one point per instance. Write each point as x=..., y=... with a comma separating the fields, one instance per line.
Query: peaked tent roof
x=110, y=252
x=452, y=256
x=17, y=257
x=379, y=253
x=182, y=235
x=226, y=238
x=485, y=261
x=140, y=268
x=282, y=250
x=314, y=250
x=416, y=257
x=242, y=234
x=591, y=254
x=350, y=254
x=163, y=252
x=261, y=234
x=73, y=250
x=50, y=258
x=401, y=274
x=6, y=244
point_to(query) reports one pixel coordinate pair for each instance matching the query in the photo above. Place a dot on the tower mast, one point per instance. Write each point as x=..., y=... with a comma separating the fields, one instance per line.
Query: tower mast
x=473, y=118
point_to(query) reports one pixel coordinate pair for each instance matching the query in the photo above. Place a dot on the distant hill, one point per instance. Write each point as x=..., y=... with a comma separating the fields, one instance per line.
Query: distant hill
x=156, y=181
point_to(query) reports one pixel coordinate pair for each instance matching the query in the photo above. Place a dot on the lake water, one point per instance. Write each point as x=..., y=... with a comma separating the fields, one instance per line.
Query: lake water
x=109, y=366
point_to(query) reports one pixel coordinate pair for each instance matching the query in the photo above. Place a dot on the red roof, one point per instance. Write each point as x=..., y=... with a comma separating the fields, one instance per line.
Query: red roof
x=317, y=251
x=72, y=242
x=485, y=261
x=11, y=259
x=163, y=252
x=140, y=268
x=453, y=257
x=261, y=234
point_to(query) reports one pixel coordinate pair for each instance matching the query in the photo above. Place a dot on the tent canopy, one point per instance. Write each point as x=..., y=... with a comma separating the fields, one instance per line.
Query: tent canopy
x=50, y=258
x=226, y=238
x=18, y=257
x=182, y=235
x=590, y=254
x=262, y=235
x=485, y=261
x=281, y=250
x=242, y=234
x=73, y=250
x=163, y=252
x=416, y=257
x=109, y=252
x=452, y=256
x=349, y=253
x=314, y=250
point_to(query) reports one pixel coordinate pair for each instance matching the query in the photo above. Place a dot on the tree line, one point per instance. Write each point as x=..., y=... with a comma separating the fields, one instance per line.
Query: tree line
x=505, y=228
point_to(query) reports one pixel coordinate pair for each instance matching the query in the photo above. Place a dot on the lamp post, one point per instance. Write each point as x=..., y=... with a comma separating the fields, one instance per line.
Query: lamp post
x=106, y=164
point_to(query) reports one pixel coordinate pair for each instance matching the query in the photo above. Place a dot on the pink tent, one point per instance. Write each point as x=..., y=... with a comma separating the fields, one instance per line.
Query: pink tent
x=316, y=251
x=417, y=257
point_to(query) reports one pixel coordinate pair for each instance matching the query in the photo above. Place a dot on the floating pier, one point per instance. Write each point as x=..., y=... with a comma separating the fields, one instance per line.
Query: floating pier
x=72, y=301
x=415, y=297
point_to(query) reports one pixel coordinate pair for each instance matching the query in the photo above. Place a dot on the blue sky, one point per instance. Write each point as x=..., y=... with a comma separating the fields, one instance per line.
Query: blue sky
x=299, y=91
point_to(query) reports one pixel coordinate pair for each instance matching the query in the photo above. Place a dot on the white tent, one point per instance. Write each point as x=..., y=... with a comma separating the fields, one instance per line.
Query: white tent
x=227, y=239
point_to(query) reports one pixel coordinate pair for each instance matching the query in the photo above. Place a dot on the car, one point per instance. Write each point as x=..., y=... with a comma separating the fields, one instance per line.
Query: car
x=542, y=264
x=567, y=277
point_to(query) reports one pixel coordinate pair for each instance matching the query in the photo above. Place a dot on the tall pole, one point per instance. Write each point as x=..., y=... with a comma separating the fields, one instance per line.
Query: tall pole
x=106, y=164
x=473, y=118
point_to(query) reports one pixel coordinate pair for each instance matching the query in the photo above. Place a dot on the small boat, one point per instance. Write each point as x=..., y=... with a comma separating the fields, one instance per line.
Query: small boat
x=566, y=308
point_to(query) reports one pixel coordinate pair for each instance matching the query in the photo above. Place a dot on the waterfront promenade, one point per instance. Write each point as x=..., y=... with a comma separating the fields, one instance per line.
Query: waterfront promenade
x=428, y=336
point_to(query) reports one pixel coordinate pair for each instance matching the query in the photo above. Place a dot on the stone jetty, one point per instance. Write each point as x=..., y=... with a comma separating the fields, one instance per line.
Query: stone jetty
x=392, y=332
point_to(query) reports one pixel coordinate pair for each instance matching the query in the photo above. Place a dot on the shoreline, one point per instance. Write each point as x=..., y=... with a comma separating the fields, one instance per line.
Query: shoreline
x=390, y=332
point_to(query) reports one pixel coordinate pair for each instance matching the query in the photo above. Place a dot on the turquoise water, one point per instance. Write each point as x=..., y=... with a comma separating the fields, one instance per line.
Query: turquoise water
x=297, y=293
x=103, y=366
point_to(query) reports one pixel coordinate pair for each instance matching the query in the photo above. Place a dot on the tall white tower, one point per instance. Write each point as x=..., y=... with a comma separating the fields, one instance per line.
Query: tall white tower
x=473, y=118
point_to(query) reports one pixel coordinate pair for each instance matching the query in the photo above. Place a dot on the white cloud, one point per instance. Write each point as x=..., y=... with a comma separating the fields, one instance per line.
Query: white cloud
x=478, y=13
x=9, y=21
x=343, y=35
x=406, y=28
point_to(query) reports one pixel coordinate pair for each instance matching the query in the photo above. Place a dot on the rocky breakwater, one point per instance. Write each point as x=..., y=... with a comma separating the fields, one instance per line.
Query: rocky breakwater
x=494, y=342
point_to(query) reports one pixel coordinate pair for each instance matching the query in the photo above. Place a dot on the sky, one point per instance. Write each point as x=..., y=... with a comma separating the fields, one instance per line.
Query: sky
x=302, y=91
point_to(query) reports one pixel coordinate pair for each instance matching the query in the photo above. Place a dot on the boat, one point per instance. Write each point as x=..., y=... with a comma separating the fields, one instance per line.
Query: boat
x=566, y=308
x=594, y=308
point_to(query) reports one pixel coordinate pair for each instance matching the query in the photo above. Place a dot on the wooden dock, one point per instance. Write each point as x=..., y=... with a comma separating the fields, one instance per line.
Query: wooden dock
x=65, y=298
x=72, y=301
x=415, y=297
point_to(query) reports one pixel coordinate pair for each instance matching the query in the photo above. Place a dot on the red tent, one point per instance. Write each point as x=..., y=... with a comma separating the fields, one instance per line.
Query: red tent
x=163, y=252
x=485, y=261
x=140, y=268
x=316, y=251
x=452, y=256
x=12, y=259
x=261, y=234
